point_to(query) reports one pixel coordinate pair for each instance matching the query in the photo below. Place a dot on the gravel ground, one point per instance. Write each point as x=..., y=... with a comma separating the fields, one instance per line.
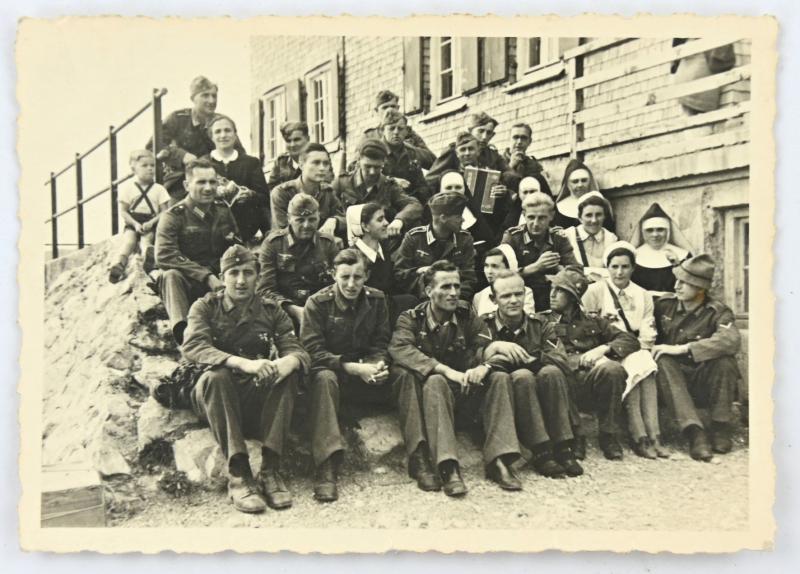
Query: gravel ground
x=635, y=494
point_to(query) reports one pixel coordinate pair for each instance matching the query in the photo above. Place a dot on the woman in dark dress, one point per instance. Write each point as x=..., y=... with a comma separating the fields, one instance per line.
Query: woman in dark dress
x=242, y=181
x=660, y=246
x=578, y=180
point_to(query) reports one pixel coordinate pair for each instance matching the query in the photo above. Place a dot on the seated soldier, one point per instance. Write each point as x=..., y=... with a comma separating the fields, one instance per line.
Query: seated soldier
x=404, y=162
x=367, y=183
x=190, y=238
x=315, y=166
x=254, y=362
x=520, y=165
x=539, y=249
x=442, y=239
x=695, y=351
x=346, y=331
x=482, y=127
x=438, y=370
x=286, y=166
x=296, y=261
x=522, y=342
x=594, y=348
x=385, y=102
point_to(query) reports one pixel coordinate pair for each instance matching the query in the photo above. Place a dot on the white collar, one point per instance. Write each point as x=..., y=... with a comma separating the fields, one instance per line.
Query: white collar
x=371, y=253
x=217, y=156
x=583, y=235
x=651, y=258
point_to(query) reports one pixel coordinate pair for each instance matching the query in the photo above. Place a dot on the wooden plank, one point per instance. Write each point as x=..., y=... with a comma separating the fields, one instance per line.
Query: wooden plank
x=572, y=107
x=553, y=151
x=669, y=93
x=651, y=61
x=412, y=74
x=595, y=46
x=661, y=128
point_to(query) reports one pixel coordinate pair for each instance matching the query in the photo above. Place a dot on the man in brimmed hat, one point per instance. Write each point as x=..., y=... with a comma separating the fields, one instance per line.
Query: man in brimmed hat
x=296, y=261
x=367, y=183
x=695, y=352
x=443, y=238
x=386, y=102
x=254, y=362
x=594, y=348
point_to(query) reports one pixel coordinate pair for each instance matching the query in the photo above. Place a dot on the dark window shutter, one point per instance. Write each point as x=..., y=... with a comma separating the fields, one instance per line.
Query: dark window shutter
x=294, y=101
x=495, y=60
x=412, y=74
x=468, y=64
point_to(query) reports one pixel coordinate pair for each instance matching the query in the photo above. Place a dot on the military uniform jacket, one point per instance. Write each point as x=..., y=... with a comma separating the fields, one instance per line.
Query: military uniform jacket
x=405, y=163
x=280, y=197
x=350, y=189
x=413, y=141
x=528, y=166
x=528, y=251
x=578, y=333
x=488, y=157
x=336, y=331
x=217, y=329
x=285, y=169
x=536, y=335
x=180, y=130
x=292, y=270
x=420, y=249
x=710, y=330
x=193, y=242
x=419, y=344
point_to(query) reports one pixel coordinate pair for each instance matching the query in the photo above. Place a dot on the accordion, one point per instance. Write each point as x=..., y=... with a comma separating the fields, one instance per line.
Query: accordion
x=479, y=182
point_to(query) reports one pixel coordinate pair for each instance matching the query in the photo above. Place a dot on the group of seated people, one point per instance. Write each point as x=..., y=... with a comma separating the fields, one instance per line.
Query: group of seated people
x=390, y=284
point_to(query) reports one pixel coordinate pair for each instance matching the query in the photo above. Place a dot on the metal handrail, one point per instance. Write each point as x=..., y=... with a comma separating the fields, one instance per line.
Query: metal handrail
x=77, y=163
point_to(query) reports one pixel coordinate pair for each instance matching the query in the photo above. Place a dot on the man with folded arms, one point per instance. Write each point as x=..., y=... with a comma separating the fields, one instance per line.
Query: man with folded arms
x=437, y=373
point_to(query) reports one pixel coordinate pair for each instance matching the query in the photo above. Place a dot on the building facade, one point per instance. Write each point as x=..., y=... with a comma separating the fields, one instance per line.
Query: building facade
x=657, y=119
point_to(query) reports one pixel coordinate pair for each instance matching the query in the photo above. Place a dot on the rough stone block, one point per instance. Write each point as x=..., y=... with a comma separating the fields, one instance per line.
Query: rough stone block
x=157, y=422
x=379, y=435
x=198, y=455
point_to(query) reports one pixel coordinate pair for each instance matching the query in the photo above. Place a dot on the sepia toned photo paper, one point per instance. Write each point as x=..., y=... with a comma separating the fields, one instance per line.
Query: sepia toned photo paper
x=670, y=120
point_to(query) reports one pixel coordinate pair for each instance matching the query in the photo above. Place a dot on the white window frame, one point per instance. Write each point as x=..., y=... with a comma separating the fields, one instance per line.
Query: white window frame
x=736, y=273
x=324, y=75
x=436, y=71
x=548, y=53
x=276, y=96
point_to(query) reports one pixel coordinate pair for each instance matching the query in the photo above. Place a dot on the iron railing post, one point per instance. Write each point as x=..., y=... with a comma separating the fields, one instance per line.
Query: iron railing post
x=157, y=130
x=54, y=221
x=79, y=196
x=112, y=150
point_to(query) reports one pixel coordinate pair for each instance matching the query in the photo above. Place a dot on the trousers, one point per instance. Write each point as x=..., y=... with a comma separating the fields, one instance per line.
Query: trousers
x=427, y=411
x=599, y=390
x=327, y=388
x=710, y=384
x=236, y=410
x=541, y=406
x=641, y=404
x=178, y=292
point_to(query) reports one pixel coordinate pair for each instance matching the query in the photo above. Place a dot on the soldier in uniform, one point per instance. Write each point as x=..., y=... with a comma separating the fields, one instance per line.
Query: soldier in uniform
x=404, y=161
x=296, y=261
x=539, y=249
x=368, y=184
x=346, y=331
x=190, y=238
x=443, y=238
x=253, y=362
x=386, y=101
x=594, y=348
x=482, y=126
x=520, y=165
x=438, y=370
x=315, y=165
x=695, y=352
x=524, y=344
x=286, y=166
x=184, y=134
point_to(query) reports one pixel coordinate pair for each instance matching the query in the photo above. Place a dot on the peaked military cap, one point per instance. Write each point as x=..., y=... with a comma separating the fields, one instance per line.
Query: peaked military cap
x=447, y=203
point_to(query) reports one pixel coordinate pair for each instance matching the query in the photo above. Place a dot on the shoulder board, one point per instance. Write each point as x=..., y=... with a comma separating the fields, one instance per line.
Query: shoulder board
x=183, y=112
x=219, y=201
x=718, y=306
x=268, y=301
x=324, y=294
x=178, y=208
x=418, y=229
x=418, y=311
x=284, y=155
x=667, y=297
x=536, y=317
x=488, y=316
x=515, y=230
x=275, y=233
x=463, y=233
x=327, y=236
x=464, y=307
x=373, y=293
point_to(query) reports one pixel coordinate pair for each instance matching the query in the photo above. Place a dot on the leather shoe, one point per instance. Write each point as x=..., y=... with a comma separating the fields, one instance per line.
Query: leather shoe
x=325, y=489
x=661, y=451
x=699, y=447
x=610, y=446
x=274, y=489
x=452, y=482
x=543, y=463
x=579, y=447
x=566, y=459
x=243, y=492
x=644, y=448
x=497, y=471
x=419, y=467
x=721, y=438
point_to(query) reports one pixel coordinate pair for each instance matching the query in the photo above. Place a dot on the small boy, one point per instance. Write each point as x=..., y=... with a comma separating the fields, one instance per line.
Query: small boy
x=498, y=258
x=141, y=201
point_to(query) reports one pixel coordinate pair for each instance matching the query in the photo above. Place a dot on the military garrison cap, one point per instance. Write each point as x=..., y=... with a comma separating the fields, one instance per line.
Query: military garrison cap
x=480, y=119
x=464, y=137
x=303, y=204
x=447, y=203
x=385, y=96
x=201, y=84
x=235, y=255
x=373, y=148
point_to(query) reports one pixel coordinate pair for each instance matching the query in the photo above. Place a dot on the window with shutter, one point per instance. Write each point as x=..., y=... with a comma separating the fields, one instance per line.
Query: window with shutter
x=494, y=55
x=322, y=102
x=453, y=67
x=273, y=114
x=533, y=53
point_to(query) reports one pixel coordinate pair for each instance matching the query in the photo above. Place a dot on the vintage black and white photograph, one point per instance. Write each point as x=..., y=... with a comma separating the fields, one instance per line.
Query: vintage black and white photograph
x=359, y=276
